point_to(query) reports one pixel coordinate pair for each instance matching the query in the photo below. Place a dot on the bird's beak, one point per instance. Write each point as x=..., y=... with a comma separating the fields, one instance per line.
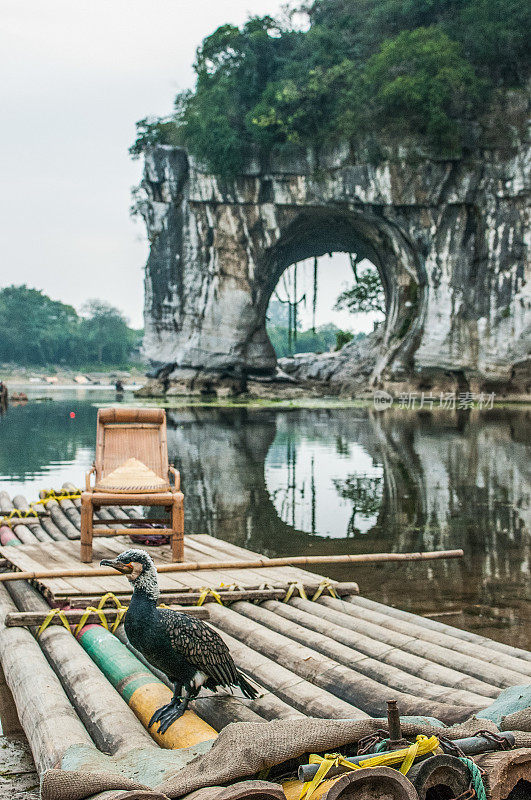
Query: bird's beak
x=119, y=566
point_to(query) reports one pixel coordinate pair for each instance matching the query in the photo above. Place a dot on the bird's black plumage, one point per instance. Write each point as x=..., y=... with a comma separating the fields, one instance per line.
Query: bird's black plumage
x=186, y=649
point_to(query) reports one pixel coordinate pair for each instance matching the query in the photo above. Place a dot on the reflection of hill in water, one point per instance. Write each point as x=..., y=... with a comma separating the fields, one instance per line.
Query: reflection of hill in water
x=446, y=482
x=432, y=469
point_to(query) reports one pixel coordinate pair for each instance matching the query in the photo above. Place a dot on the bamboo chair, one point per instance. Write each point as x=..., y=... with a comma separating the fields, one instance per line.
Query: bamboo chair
x=131, y=468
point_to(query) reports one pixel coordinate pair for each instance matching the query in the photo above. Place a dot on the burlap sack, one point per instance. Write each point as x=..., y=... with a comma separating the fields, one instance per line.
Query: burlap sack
x=519, y=721
x=242, y=749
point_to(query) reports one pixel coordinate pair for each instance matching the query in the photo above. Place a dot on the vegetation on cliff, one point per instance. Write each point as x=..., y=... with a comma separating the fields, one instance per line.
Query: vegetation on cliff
x=36, y=330
x=357, y=67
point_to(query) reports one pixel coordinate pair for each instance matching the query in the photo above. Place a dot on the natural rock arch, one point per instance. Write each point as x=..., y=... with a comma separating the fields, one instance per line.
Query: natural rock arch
x=447, y=236
x=318, y=230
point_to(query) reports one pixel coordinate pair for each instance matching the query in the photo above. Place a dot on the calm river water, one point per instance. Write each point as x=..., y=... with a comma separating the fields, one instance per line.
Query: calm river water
x=340, y=480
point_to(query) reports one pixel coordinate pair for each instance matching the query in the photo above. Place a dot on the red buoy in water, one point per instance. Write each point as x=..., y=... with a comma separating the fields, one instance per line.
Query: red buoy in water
x=72, y=415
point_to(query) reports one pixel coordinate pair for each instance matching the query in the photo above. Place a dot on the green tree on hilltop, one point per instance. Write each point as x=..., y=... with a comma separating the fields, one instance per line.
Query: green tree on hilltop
x=422, y=67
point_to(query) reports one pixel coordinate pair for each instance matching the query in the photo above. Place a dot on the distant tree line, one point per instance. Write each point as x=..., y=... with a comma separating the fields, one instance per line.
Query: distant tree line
x=36, y=330
x=392, y=68
x=321, y=340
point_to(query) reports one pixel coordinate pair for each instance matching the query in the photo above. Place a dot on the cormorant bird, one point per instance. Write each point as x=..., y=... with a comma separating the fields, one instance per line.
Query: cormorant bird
x=189, y=652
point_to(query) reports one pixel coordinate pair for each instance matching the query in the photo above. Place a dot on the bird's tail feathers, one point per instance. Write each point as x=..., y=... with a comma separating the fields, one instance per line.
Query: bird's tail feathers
x=248, y=690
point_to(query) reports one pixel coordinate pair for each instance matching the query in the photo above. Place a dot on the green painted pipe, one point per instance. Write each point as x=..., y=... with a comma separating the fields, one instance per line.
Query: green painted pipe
x=141, y=690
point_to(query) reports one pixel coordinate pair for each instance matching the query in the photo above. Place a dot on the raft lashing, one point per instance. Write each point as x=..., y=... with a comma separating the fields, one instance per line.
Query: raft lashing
x=314, y=648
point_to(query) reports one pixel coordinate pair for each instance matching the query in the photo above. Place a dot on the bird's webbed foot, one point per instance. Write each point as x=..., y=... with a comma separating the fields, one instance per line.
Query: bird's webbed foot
x=172, y=713
x=159, y=713
x=166, y=715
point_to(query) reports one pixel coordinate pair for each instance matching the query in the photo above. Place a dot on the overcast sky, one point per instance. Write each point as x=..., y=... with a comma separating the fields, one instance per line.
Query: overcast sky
x=76, y=75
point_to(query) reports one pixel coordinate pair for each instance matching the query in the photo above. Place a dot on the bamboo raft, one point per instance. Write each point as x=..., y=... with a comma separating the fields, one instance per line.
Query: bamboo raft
x=316, y=655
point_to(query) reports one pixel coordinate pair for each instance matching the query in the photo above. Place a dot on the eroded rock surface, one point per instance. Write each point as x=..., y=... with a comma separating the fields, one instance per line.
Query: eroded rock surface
x=449, y=238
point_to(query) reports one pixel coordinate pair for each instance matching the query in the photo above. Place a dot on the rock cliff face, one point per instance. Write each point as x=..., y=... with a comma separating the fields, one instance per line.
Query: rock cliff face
x=447, y=236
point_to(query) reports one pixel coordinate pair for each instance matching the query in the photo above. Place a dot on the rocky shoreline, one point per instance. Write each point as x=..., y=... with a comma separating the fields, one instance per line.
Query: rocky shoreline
x=347, y=373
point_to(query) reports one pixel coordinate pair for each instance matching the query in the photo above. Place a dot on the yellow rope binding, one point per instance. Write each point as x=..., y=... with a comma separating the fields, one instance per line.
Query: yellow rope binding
x=55, y=612
x=49, y=495
x=326, y=583
x=86, y=614
x=404, y=757
x=121, y=609
x=260, y=588
x=205, y=592
x=291, y=589
x=110, y=596
x=19, y=514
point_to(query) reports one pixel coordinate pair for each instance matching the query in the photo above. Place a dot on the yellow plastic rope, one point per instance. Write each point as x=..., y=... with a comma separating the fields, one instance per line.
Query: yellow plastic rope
x=20, y=514
x=295, y=585
x=49, y=495
x=119, y=605
x=119, y=617
x=407, y=755
x=325, y=584
x=55, y=612
x=110, y=596
x=205, y=592
x=86, y=614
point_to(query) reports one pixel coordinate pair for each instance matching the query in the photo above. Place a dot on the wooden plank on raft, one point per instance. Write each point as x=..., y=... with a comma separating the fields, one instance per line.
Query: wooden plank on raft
x=28, y=619
x=228, y=596
x=25, y=559
x=179, y=580
x=234, y=552
x=214, y=550
x=63, y=554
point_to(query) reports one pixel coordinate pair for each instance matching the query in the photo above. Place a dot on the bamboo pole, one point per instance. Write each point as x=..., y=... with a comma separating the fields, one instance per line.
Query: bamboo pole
x=218, y=710
x=363, y=784
x=62, y=522
x=8, y=710
x=141, y=690
x=442, y=627
x=192, y=566
x=71, y=513
x=410, y=643
x=23, y=533
x=294, y=623
x=8, y=537
x=5, y=503
x=337, y=626
x=344, y=682
x=445, y=640
x=505, y=771
x=446, y=772
x=28, y=619
x=111, y=724
x=52, y=530
x=49, y=721
x=287, y=685
x=33, y=523
x=189, y=597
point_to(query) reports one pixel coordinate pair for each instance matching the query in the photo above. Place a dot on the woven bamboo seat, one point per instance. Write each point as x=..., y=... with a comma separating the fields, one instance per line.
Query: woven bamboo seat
x=132, y=476
x=131, y=467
